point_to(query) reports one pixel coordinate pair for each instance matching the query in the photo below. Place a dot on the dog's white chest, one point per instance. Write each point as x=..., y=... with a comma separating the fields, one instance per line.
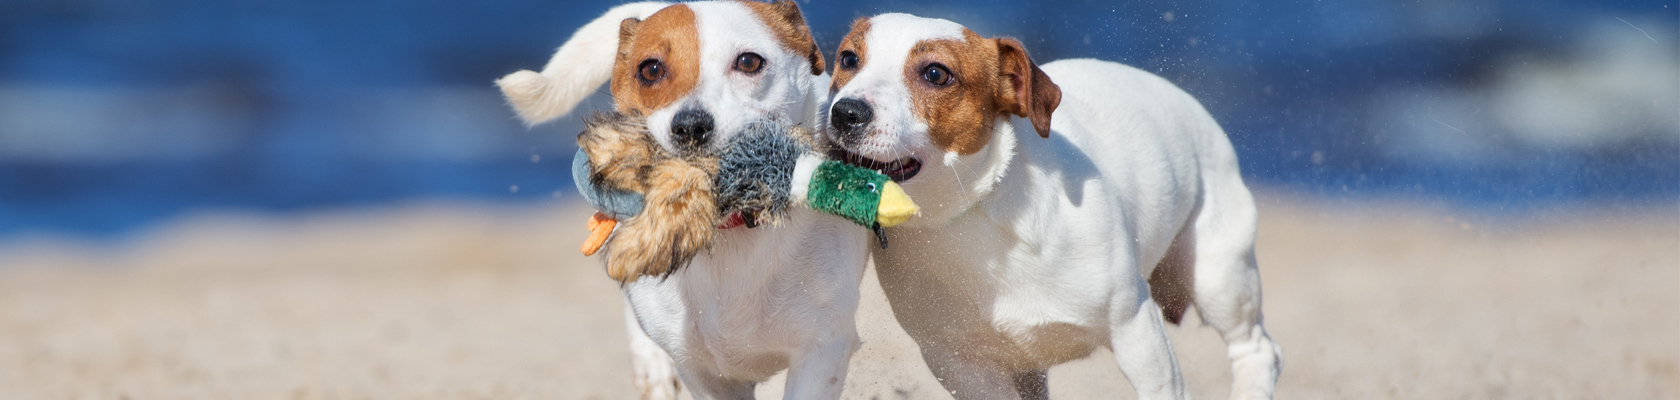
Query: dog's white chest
x=757, y=296
x=1025, y=298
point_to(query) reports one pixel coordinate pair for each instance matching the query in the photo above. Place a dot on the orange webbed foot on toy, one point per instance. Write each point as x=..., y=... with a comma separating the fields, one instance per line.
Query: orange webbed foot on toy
x=600, y=227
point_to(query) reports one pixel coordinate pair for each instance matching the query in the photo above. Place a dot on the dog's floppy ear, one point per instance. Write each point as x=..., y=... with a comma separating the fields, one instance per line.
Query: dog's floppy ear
x=1024, y=90
x=783, y=17
x=574, y=72
x=626, y=30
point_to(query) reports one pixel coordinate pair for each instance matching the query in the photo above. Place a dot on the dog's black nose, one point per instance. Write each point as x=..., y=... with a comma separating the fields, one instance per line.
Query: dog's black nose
x=850, y=116
x=691, y=128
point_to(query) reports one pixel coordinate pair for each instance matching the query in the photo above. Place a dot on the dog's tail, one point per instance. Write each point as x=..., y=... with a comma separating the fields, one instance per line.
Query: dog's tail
x=576, y=70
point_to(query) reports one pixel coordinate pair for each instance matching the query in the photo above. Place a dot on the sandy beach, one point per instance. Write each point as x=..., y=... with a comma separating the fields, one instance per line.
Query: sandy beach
x=1370, y=300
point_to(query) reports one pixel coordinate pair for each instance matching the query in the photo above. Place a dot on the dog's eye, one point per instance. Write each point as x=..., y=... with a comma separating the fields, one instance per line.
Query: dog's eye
x=848, y=60
x=650, y=71
x=749, y=63
x=937, y=74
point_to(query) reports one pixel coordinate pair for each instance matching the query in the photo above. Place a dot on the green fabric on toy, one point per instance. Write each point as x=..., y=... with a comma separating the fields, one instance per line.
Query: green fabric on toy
x=768, y=166
x=673, y=205
x=847, y=191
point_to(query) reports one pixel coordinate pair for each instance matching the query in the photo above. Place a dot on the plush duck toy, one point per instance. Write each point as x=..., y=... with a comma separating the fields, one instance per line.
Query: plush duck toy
x=662, y=209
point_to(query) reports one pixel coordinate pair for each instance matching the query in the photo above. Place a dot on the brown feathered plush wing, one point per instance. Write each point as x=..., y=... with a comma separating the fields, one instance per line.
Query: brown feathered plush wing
x=681, y=215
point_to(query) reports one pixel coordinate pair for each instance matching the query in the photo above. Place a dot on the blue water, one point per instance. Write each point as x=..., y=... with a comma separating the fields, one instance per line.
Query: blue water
x=306, y=104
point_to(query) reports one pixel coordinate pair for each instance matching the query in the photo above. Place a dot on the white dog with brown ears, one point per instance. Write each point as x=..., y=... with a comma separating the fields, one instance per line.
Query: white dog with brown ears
x=1114, y=200
x=763, y=299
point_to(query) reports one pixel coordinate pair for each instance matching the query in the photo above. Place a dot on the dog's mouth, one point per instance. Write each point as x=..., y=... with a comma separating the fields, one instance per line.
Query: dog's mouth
x=899, y=170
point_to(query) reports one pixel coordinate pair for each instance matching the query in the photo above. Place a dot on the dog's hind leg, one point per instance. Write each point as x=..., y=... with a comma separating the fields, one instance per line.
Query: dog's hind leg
x=654, y=373
x=1227, y=287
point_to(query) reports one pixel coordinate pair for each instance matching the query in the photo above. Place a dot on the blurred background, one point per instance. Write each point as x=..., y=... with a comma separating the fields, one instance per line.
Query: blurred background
x=115, y=115
x=330, y=199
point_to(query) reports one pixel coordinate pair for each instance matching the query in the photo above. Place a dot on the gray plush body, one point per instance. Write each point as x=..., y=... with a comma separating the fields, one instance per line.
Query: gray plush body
x=755, y=172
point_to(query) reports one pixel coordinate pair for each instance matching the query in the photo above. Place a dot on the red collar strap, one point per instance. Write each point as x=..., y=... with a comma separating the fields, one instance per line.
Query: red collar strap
x=732, y=221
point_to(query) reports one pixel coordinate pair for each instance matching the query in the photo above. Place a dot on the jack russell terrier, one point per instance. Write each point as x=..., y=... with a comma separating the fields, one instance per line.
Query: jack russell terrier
x=1064, y=208
x=763, y=299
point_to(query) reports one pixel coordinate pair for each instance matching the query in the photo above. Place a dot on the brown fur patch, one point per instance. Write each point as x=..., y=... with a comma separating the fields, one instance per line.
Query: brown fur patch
x=669, y=36
x=992, y=77
x=960, y=114
x=680, y=217
x=856, y=42
x=1023, y=89
x=783, y=19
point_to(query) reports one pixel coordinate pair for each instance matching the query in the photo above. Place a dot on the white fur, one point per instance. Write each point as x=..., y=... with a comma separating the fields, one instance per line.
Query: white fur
x=652, y=371
x=803, y=170
x=578, y=68
x=765, y=299
x=734, y=98
x=892, y=25
x=762, y=299
x=1036, y=251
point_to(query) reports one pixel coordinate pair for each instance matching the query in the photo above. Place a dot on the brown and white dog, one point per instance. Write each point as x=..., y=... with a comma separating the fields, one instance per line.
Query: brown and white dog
x=762, y=299
x=1065, y=207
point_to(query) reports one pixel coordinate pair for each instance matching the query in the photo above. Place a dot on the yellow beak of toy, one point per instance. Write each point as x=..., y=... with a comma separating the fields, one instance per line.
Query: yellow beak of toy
x=895, y=206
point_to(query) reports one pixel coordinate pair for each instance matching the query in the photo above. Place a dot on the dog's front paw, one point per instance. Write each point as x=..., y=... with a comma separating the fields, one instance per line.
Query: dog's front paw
x=658, y=385
x=653, y=371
